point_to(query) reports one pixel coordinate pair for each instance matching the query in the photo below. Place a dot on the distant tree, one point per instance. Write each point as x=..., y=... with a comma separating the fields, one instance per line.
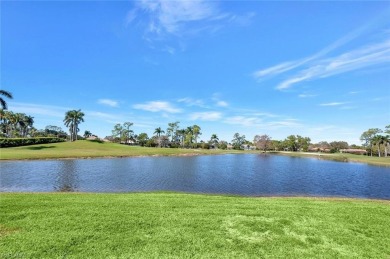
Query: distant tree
x=196, y=132
x=158, y=131
x=214, y=140
x=142, y=139
x=262, y=142
x=238, y=141
x=87, y=134
x=72, y=120
x=337, y=145
x=172, y=131
x=127, y=133
x=117, y=132
x=3, y=103
x=368, y=138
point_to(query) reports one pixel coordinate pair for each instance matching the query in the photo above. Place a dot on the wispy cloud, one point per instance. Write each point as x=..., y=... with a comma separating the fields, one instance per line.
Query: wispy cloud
x=108, y=102
x=243, y=121
x=218, y=102
x=38, y=109
x=353, y=60
x=164, y=18
x=206, y=116
x=306, y=95
x=157, y=106
x=319, y=65
x=192, y=102
x=333, y=104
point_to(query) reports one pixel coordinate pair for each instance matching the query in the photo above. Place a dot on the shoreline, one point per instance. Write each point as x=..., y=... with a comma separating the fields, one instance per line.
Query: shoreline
x=92, y=150
x=226, y=195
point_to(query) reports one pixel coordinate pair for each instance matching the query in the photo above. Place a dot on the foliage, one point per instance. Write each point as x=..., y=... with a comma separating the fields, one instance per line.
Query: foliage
x=16, y=142
x=72, y=120
x=3, y=103
x=238, y=141
x=297, y=143
x=262, y=142
x=15, y=124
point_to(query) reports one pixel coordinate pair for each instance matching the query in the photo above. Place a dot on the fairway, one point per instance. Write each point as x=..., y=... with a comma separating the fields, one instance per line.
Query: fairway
x=162, y=225
x=93, y=149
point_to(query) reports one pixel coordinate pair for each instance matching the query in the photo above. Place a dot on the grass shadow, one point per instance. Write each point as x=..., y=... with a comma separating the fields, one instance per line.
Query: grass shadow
x=96, y=141
x=40, y=147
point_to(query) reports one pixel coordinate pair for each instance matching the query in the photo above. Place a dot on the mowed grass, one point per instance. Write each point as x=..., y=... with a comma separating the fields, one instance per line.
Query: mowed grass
x=90, y=149
x=175, y=225
x=341, y=157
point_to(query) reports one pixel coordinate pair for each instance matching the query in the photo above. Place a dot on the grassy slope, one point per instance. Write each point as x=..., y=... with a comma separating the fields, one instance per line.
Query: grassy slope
x=157, y=225
x=82, y=149
x=382, y=161
x=85, y=149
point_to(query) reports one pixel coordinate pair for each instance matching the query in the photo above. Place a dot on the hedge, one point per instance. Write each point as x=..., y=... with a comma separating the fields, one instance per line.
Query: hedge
x=16, y=142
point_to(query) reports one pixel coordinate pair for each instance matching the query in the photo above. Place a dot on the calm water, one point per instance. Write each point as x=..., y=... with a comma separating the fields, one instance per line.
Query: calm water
x=257, y=175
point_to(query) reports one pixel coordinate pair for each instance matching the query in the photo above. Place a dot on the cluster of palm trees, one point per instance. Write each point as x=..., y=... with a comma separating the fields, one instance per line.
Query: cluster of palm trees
x=374, y=138
x=72, y=120
x=15, y=124
x=187, y=137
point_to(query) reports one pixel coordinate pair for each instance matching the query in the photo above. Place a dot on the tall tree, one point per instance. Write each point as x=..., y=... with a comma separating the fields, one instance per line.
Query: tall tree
x=214, y=139
x=368, y=137
x=3, y=103
x=196, y=132
x=172, y=130
x=158, y=131
x=87, y=134
x=127, y=132
x=238, y=141
x=72, y=120
x=262, y=142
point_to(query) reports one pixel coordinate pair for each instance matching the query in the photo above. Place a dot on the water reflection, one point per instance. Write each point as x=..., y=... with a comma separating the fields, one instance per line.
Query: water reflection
x=66, y=180
x=258, y=175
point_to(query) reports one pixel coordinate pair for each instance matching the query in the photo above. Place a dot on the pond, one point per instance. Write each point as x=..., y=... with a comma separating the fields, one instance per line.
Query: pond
x=249, y=174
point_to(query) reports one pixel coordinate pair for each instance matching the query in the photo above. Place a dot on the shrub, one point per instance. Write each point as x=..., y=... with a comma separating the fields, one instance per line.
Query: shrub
x=16, y=142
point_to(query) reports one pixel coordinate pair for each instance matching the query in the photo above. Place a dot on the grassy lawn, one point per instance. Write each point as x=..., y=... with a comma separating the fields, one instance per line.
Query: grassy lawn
x=90, y=149
x=158, y=225
x=382, y=161
x=85, y=149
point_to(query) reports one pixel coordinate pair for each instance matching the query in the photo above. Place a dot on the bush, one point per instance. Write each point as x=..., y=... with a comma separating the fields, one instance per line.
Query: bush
x=16, y=142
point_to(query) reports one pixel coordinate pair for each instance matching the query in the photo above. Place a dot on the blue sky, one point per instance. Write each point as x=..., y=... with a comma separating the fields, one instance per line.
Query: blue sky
x=315, y=68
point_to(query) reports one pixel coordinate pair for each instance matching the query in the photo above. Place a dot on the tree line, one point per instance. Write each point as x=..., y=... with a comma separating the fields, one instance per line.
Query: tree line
x=375, y=141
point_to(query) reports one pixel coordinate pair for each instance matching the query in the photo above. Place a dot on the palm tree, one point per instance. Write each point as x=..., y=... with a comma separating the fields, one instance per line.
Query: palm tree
x=158, y=131
x=87, y=134
x=2, y=102
x=72, y=119
x=214, y=140
x=196, y=133
x=378, y=140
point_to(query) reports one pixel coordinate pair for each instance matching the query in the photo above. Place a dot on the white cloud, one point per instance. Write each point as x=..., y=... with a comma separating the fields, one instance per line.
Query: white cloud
x=157, y=106
x=108, y=102
x=332, y=104
x=353, y=60
x=243, y=121
x=164, y=18
x=206, y=116
x=192, y=102
x=38, y=109
x=222, y=104
x=172, y=16
x=306, y=95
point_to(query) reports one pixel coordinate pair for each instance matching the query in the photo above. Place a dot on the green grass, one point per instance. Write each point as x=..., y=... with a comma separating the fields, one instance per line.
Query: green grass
x=90, y=149
x=160, y=225
x=382, y=161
